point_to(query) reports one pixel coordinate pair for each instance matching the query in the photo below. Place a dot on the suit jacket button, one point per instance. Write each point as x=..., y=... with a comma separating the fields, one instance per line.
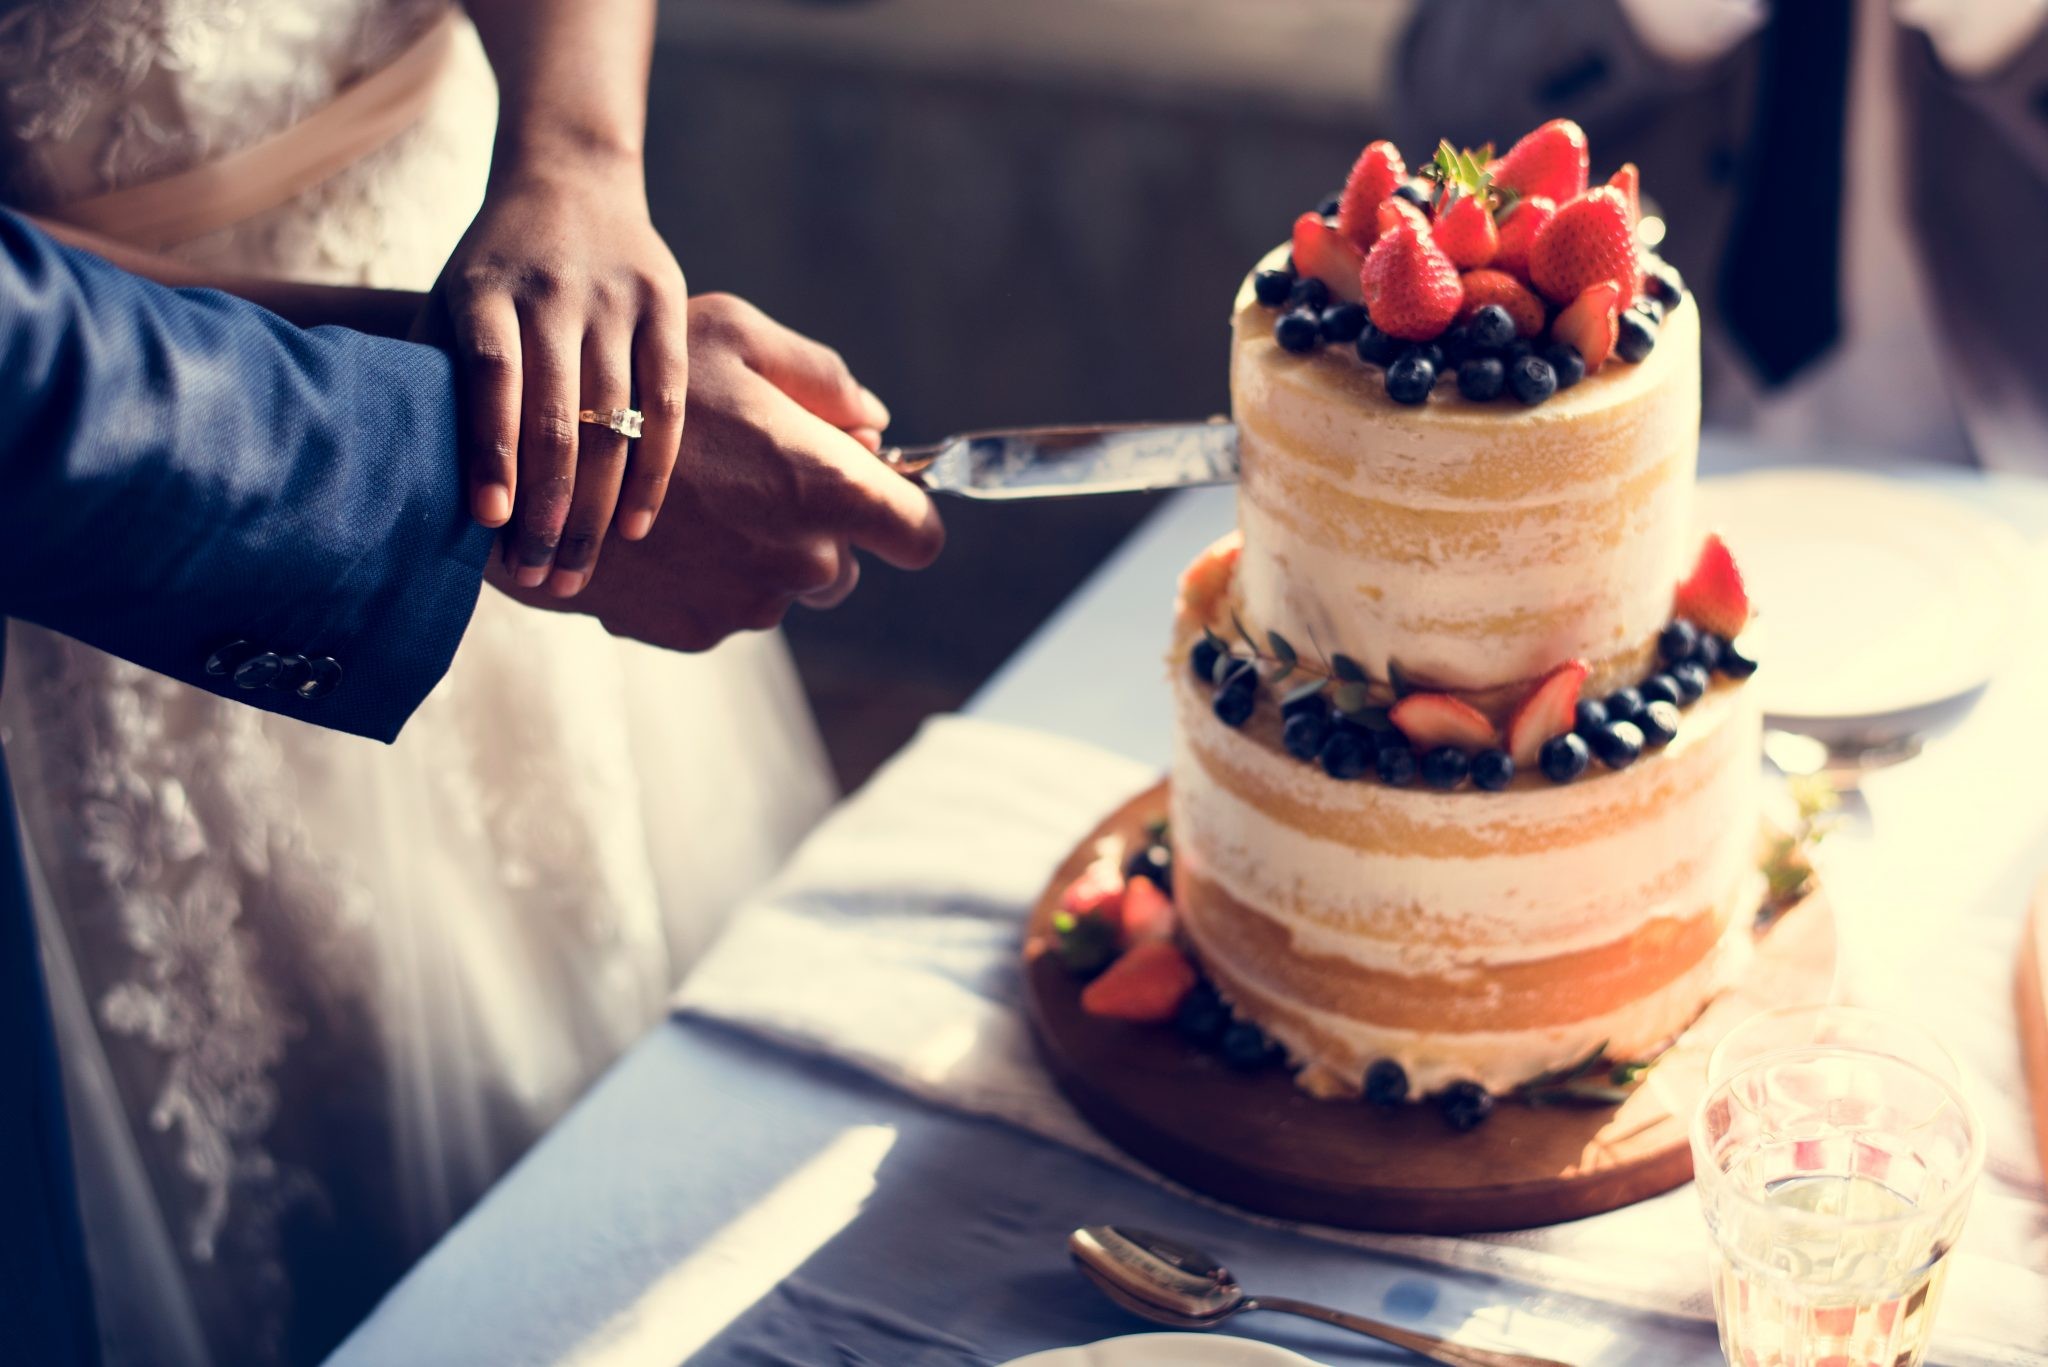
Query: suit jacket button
x=292, y=670
x=229, y=658
x=323, y=677
x=258, y=670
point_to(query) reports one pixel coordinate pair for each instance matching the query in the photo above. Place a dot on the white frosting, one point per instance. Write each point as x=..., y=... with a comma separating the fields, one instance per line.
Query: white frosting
x=1500, y=1060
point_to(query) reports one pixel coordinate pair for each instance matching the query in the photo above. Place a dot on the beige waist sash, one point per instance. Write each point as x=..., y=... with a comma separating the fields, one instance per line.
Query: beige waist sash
x=358, y=121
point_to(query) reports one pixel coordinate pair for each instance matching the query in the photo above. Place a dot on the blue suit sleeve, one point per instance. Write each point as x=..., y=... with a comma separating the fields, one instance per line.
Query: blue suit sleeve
x=187, y=480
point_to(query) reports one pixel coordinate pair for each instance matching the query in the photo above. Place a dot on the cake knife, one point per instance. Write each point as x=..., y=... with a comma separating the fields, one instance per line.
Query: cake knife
x=1058, y=462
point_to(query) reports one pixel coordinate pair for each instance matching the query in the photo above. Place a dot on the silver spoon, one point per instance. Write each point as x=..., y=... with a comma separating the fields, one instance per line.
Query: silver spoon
x=1166, y=1281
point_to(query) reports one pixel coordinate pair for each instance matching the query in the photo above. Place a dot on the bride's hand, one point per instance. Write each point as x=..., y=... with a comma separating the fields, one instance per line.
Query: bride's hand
x=770, y=498
x=562, y=297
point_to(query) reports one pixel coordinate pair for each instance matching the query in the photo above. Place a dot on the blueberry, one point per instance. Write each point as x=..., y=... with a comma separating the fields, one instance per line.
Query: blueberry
x=1234, y=702
x=1617, y=744
x=1564, y=758
x=1304, y=734
x=1636, y=337
x=1202, y=1018
x=1308, y=702
x=1707, y=654
x=1378, y=348
x=1445, y=767
x=1517, y=349
x=1395, y=765
x=1246, y=1048
x=1691, y=680
x=1481, y=379
x=1677, y=642
x=1465, y=1106
x=1658, y=723
x=1310, y=293
x=1202, y=660
x=1298, y=330
x=1736, y=662
x=1457, y=346
x=1659, y=688
x=1664, y=283
x=1564, y=358
x=1327, y=206
x=1154, y=862
x=1493, y=326
x=1273, y=287
x=1413, y=193
x=1532, y=379
x=1624, y=704
x=1410, y=379
x=1650, y=307
x=1386, y=1083
x=1343, y=322
x=1345, y=754
x=1431, y=352
x=1493, y=770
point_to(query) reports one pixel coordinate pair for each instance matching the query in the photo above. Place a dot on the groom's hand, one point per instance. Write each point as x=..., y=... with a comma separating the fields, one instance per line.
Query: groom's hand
x=769, y=500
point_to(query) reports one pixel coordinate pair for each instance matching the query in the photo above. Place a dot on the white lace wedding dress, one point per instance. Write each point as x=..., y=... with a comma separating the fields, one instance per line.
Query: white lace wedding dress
x=313, y=993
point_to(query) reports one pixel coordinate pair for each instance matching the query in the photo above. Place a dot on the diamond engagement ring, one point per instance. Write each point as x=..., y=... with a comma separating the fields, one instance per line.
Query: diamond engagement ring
x=624, y=421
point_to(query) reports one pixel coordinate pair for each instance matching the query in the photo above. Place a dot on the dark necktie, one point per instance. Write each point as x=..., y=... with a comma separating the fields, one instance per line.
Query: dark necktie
x=1781, y=275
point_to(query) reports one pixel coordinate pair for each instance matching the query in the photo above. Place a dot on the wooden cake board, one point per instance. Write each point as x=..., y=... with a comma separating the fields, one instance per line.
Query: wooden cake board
x=1259, y=1142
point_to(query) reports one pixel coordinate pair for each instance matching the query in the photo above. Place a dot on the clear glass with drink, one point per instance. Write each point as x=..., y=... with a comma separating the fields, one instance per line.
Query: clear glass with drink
x=1835, y=1158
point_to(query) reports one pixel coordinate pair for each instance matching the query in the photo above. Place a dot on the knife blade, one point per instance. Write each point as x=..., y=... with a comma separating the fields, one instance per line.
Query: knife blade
x=1061, y=462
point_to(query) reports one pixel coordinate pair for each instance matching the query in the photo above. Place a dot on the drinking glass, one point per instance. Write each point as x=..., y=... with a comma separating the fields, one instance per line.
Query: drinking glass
x=1834, y=1155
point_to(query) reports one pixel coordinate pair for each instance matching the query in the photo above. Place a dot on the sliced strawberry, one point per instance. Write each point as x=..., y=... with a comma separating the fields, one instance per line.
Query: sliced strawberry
x=1411, y=288
x=1592, y=324
x=1629, y=181
x=1323, y=252
x=1206, y=580
x=1374, y=177
x=1498, y=287
x=1393, y=210
x=1467, y=233
x=1552, y=162
x=1432, y=719
x=1148, y=912
x=1549, y=711
x=1713, y=596
x=1099, y=891
x=1518, y=228
x=1145, y=984
x=1585, y=242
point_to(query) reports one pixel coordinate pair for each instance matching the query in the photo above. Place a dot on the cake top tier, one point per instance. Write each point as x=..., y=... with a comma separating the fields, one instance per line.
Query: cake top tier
x=1514, y=273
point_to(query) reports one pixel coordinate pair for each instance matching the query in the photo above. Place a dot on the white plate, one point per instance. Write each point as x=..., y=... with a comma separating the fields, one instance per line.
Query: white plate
x=1875, y=597
x=1167, y=1350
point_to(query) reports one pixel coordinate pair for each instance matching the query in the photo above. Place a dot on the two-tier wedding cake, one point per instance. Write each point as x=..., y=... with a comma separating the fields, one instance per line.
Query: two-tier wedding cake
x=1465, y=784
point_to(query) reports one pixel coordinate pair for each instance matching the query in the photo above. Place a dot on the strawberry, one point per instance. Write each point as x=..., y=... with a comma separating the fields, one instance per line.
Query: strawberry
x=1099, y=891
x=1551, y=162
x=1392, y=210
x=1592, y=324
x=1145, y=984
x=1713, y=595
x=1518, y=228
x=1205, y=581
x=1432, y=719
x=1148, y=912
x=1498, y=287
x=1374, y=177
x=1551, y=710
x=1411, y=287
x=1467, y=234
x=1585, y=242
x=1629, y=181
x=1323, y=252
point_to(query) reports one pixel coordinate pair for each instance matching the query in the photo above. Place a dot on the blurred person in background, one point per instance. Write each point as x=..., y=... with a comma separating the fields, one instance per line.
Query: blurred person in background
x=1857, y=191
x=314, y=995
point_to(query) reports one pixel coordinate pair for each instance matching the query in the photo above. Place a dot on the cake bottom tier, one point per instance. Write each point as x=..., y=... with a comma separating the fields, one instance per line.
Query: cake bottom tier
x=1467, y=935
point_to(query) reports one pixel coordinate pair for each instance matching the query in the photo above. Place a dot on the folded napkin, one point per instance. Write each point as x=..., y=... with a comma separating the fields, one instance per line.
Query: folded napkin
x=890, y=942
